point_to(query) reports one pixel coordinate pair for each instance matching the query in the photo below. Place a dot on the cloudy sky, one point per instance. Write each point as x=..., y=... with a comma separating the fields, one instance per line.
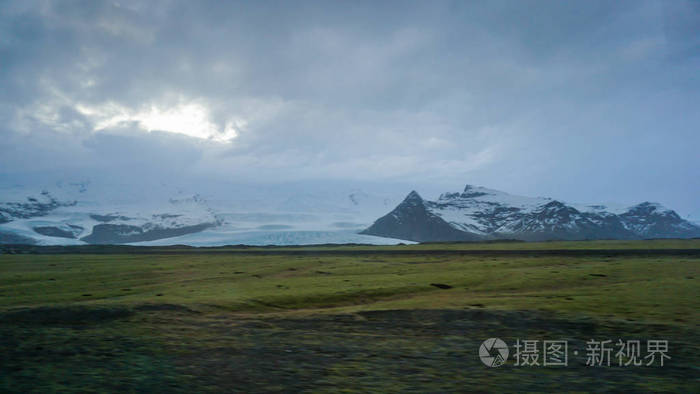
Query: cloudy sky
x=580, y=100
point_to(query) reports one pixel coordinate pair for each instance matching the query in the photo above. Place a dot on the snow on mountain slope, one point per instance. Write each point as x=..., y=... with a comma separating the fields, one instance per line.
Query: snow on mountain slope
x=480, y=210
x=76, y=217
x=86, y=212
x=481, y=213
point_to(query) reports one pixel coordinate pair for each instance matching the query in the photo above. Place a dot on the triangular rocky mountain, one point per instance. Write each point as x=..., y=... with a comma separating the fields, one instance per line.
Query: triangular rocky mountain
x=479, y=213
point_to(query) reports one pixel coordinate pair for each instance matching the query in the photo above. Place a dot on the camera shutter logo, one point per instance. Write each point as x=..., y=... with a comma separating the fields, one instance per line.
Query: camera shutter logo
x=493, y=352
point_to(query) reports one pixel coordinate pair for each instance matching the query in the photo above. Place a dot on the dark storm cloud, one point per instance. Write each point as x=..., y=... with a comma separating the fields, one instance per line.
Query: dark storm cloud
x=578, y=100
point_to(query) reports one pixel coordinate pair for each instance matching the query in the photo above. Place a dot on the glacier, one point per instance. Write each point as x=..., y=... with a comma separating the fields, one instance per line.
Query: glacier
x=75, y=213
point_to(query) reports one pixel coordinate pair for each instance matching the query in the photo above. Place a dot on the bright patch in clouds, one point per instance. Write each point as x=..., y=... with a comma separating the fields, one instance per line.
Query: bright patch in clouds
x=191, y=119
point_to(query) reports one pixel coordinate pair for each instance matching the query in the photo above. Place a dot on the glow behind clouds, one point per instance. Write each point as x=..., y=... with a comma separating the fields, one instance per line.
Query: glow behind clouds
x=585, y=101
x=190, y=119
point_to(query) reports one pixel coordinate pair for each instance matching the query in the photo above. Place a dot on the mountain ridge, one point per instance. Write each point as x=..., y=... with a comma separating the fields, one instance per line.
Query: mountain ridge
x=106, y=212
x=479, y=213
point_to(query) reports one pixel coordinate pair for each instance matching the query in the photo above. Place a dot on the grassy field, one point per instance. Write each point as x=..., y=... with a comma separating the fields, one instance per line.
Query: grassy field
x=360, y=318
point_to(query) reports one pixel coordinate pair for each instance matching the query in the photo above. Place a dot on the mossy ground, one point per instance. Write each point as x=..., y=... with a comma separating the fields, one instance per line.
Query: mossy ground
x=216, y=321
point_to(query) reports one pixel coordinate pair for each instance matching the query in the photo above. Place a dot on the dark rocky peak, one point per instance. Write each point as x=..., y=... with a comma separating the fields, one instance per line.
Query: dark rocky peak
x=554, y=205
x=412, y=220
x=449, y=196
x=482, y=213
x=558, y=208
x=413, y=198
x=469, y=188
x=651, y=209
x=471, y=191
x=645, y=208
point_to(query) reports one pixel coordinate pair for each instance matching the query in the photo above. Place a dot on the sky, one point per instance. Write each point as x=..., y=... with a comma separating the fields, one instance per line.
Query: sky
x=584, y=101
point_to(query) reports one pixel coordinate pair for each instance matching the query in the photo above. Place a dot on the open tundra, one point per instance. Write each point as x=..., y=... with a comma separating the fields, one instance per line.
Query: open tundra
x=479, y=213
x=382, y=319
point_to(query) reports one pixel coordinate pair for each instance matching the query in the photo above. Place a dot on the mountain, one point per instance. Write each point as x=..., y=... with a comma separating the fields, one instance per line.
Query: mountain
x=414, y=220
x=479, y=213
x=103, y=212
x=65, y=213
x=46, y=217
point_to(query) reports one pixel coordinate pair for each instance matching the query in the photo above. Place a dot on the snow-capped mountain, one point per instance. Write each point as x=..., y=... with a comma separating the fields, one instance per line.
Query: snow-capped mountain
x=157, y=214
x=109, y=213
x=70, y=215
x=479, y=213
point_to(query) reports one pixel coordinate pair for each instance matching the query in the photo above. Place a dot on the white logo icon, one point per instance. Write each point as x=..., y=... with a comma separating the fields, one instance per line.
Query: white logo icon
x=493, y=352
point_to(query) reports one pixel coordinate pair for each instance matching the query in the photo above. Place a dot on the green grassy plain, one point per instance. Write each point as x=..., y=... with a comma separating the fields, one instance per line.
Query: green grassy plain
x=212, y=319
